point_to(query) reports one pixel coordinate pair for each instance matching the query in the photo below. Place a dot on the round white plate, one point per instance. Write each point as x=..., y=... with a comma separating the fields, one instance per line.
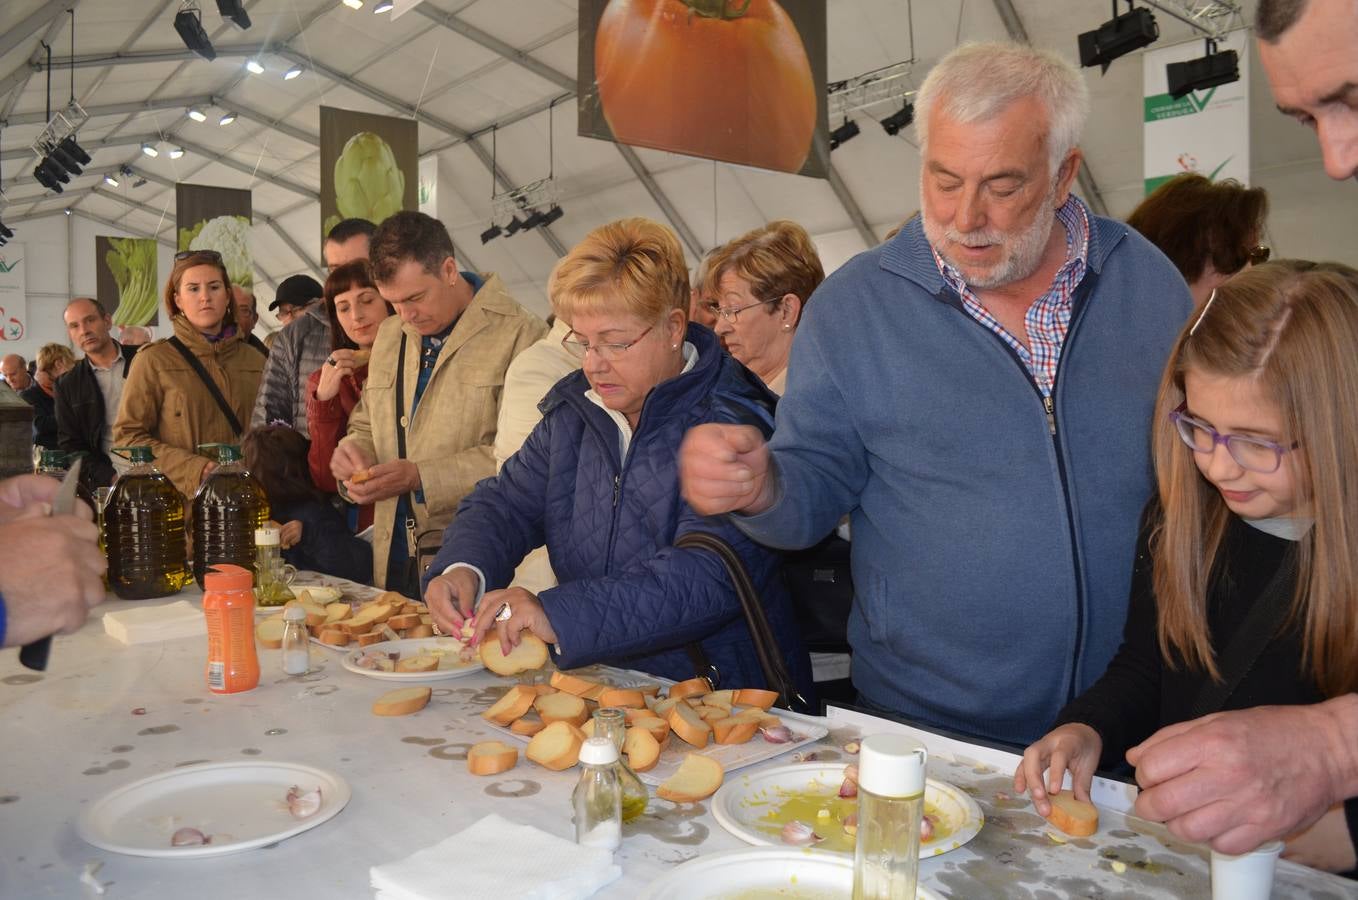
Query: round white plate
x=241, y=805
x=766, y=871
x=746, y=798
x=410, y=647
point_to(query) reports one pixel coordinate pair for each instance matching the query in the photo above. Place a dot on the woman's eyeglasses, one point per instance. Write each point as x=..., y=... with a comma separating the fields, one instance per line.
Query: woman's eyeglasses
x=1255, y=454
x=731, y=313
x=610, y=352
x=189, y=254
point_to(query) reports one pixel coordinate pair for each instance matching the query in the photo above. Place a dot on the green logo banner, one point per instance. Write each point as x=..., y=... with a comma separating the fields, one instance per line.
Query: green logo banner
x=1163, y=106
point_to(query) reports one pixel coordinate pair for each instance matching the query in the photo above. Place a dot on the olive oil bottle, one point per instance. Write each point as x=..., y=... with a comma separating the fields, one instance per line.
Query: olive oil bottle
x=144, y=531
x=227, y=509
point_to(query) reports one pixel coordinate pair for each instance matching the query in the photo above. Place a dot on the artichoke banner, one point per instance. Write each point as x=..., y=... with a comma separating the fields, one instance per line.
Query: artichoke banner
x=369, y=166
x=368, y=182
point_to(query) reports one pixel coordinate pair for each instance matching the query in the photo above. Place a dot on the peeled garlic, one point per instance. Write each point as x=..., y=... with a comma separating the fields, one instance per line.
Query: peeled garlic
x=851, y=747
x=849, y=788
x=851, y=823
x=926, y=828
x=302, y=805
x=189, y=837
x=800, y=834
x=778, y=734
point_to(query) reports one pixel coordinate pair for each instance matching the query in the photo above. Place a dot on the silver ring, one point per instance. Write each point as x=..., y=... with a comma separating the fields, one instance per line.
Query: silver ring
x=504, y=614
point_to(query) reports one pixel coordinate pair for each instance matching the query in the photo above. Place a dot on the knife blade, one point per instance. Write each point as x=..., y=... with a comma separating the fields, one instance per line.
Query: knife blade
x=34, y=655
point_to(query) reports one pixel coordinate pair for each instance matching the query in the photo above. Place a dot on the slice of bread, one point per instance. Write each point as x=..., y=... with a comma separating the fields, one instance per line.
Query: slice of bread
x=402, y=702
x=622, y=698
x=491, y=758
x=556, y=747
x=334, y=637
x=756, y=697
x=723, y=699
x=527, y=726
x=531, y=653
x=693, y=687
x=372, y=637
x=404, y=621
x=562, y=707
x=425, y=662
x=512, y=706
x=733, y=730
x=697, y=779
x=642, y=749
x=1075, y=817
x=685, y=722
x=420, y=631
x=269, y=633
x=659, y=728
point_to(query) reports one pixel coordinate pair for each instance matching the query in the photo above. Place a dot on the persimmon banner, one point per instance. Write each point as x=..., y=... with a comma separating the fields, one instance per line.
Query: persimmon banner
x=741, y=81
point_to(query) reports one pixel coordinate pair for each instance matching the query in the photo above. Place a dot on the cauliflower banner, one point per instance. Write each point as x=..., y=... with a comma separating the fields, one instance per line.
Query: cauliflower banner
x=369, y=166
x=213, y=218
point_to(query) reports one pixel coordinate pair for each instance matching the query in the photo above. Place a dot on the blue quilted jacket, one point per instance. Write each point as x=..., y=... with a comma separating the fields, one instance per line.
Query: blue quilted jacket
x=626, y=596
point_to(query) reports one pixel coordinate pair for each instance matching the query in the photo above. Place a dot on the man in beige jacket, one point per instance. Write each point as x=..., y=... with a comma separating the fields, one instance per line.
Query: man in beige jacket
x=438, y=367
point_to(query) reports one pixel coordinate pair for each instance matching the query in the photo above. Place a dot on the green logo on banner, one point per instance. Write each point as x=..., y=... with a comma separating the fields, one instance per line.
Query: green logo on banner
x=1163, y=106
x=1152, y=183
x=7, y=267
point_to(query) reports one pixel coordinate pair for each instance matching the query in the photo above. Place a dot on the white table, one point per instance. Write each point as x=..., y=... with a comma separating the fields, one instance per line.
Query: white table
x=74, y=734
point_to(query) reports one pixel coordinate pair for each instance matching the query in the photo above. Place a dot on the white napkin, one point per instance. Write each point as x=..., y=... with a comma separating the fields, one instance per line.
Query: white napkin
x=496, y=858
x=143, y=624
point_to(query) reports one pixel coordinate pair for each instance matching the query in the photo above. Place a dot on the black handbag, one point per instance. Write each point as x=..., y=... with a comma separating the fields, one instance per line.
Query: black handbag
x=819, y=580
x=421, y=546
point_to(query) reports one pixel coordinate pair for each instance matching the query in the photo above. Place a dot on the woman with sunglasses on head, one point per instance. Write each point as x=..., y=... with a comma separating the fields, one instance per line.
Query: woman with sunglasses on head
x=1245, y=586
x=167, y=403
x=760, y=282
x=597, y=482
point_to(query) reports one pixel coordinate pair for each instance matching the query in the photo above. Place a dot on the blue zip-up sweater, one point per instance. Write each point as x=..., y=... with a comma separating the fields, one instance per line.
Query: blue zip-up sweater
x=626, y=596
x=991, y=557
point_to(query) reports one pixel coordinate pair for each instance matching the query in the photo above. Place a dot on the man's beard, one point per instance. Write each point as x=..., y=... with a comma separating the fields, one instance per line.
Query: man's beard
x=1021, y=253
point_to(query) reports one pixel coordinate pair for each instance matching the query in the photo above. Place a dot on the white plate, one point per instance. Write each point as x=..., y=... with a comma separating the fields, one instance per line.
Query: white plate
x=243, y=805
x=781, y=872
x=410, y=647
x=744, y=800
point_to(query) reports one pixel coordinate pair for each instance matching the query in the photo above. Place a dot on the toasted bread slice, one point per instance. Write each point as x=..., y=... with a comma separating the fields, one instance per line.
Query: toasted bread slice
x=662, y=707
x=693, y=687
x=633, y=714
x=424, y=662
x=733, y=730
x=513, y=705
x=334, y=637
x=365, y=619
x=491, y=758
x=562, y=707
x=685, y=722
x=642, y=749
x=622, y=698
x=531, y=653
x=527, y=726
x=1075, y=817
x=709, y=713
x=723, y=699
x=404, y=621
x=402, y=702
x=372, y=637
x=334, y=612
x=697, y=779
x=572, y=684
x=269, y=633
x=756, y=697
x=659, y=728
x=556, y=747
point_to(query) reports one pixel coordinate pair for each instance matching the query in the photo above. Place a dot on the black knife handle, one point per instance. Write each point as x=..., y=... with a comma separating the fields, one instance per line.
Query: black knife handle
x=34, y=655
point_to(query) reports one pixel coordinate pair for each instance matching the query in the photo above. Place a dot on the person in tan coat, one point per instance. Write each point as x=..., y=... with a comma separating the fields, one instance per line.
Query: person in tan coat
x=166, y=404
x=456, y=333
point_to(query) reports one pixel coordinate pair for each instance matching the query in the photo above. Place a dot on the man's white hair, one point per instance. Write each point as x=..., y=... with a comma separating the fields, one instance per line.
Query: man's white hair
x=979, y=81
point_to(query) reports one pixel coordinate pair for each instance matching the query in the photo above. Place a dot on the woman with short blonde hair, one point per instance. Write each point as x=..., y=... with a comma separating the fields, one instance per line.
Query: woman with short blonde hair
x=53, y=361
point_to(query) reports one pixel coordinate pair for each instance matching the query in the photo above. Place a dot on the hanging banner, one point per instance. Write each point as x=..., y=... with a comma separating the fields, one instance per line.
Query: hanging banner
x=428, y=194
x=126, y=279
x=13, y=292
x=369, y=166
x=216, y=218
x=1207, y=132
x=740, y=82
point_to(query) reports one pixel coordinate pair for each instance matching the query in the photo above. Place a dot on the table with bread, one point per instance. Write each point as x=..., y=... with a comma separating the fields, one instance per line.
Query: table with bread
x=433, y=749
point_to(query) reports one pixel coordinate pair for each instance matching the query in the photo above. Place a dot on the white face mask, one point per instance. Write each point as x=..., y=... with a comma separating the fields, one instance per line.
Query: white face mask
x=1286, y=527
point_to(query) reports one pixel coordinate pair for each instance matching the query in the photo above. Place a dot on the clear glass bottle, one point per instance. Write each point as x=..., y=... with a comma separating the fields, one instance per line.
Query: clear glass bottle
x=296, y=645
x=612, y=724
x=273, y=577
x=891, y=774
x=598, y=797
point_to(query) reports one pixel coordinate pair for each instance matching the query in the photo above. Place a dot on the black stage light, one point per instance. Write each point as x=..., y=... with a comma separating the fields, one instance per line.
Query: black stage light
x=235, y=11
x=50, y=175
x=491, y=233
x=1119, y=36
x=189, y=24
x=893, y=123
x=64, y=159
x=1204, y=72
x=6, y=233
x=535, y=218
x=75, y=150
x=843, y=133
x=515, y=224
x=552, y=215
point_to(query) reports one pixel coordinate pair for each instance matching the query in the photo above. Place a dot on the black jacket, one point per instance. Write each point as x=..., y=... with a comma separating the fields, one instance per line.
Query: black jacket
x=44, y=416
x=80, y=419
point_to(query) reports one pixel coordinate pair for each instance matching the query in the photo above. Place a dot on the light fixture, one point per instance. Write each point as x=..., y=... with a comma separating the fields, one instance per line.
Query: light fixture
x=50, y=175
x=197, y=115
x=254, y=66
x=1214, y=69
x=843, y=133
x=902, y=118
x=176, y=152
x=189, y=23
x=534, y=219
x=67, y=210
x=515, y=225
x=150, y=150
x=354, y=4
x=552, y=215
x=5, y=234
x=234, y=10
x=1120, y=35
x=383, y=6
x=227, y=118
x=491, y=233
x=292, y=73
x=69, y=155
x=110, y=180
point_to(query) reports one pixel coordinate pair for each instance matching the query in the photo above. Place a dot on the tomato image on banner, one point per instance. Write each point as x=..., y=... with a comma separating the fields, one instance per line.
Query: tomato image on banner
x=724, y=79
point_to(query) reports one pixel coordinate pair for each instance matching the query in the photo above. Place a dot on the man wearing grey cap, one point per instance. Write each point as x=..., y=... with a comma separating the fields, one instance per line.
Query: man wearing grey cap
x=300, y=349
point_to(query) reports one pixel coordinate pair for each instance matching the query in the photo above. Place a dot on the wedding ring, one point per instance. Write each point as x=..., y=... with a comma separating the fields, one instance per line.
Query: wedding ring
x=330, y=361
x=504, y=614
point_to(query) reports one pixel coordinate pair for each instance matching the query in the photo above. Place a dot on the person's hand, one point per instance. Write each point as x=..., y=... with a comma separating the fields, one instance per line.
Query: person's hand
x=384, y=481
x=290, y=534
x=1074, y=746
x=725, y=468
x=347, y=459
x=24, y=496
x=525, y=614
x=1326, y=845
x=207, y=471
x=331, y=375
x=1242, y=778
x=450, y=598
x=50, y=575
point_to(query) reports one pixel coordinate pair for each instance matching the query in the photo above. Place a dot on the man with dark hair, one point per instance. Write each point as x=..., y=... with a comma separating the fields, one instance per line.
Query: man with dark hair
x=247, y=316
x=347, y=241
x=300, y=348
x=436, y=374
x=1309, y=49
x=88, y=395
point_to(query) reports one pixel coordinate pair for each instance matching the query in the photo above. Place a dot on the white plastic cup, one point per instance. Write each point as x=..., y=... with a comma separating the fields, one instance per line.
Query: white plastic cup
x=1248, y=876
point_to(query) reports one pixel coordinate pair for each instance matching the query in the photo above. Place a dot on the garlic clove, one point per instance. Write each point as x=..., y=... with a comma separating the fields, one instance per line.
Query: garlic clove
x=189, y=837
x=800, y=834
x=851, y=823
x=851, y=773
x=778, y=734
x=848, y=789
x=303, y=804
x=926, y=828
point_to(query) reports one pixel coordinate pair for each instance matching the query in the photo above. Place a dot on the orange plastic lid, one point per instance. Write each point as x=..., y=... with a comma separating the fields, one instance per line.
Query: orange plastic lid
x=227, y=577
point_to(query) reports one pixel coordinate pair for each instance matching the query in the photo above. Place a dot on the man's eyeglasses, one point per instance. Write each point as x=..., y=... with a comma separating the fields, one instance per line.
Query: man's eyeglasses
x=1258, y=254
x=731, y=313
x=186, y=254
x=610, y=352
x=1255, y=454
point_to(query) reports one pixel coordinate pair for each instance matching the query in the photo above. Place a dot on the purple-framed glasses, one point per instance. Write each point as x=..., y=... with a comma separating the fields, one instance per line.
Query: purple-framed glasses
x=1255, y=454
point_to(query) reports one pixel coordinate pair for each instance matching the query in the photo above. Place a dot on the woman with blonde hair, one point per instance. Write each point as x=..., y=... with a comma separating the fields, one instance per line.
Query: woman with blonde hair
x=761, y=282
x=198, y=386
x=1245, y=587
x=597, y=482
x=53, y=361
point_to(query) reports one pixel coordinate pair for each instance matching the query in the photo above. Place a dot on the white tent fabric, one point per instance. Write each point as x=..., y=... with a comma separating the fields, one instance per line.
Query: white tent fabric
x=463, y=66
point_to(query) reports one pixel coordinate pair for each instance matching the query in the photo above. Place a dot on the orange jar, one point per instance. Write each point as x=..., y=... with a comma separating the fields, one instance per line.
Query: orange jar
x=229, y=605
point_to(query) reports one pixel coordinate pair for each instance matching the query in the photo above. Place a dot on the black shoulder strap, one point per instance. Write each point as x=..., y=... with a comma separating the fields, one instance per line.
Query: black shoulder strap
x=410, y=522
x=208, y=383
x=1260, y=626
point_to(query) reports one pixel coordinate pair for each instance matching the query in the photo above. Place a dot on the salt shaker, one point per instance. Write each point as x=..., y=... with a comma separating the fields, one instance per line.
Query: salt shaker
x=890, y=805
x=296, y=642
x=598, y=796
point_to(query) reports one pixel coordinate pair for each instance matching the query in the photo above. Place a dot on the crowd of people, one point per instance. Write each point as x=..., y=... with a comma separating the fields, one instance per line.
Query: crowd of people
x=1128, y=440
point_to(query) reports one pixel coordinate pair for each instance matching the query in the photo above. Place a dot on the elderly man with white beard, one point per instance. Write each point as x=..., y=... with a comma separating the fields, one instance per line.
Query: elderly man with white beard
x=976, y=394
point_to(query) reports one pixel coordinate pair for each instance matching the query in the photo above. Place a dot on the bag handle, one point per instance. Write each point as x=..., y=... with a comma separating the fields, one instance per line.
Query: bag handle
x=412, y=542
x=208, y=383
x=765, y=644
